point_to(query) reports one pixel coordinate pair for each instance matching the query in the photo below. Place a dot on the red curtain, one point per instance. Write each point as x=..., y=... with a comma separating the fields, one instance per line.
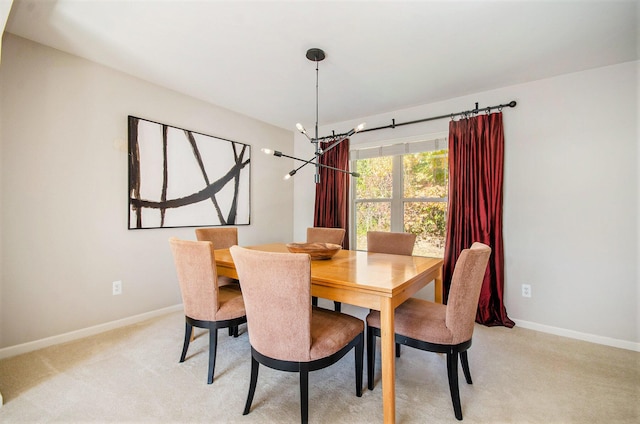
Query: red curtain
x=476, y=163
x=332, y=194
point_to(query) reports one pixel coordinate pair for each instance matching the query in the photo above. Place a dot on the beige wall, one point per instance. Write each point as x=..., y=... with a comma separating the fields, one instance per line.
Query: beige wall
x=570, y=198
x=5, y=8
x=63, y=178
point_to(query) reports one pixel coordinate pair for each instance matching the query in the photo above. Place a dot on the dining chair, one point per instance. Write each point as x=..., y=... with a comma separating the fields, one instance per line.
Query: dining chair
x=392, y=243
x=206, y=304
x=277, y=291
x=222, y=238
x=326, y=235
x=440, y=328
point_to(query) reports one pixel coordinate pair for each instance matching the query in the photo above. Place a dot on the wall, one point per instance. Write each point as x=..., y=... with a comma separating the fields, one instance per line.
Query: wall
x=5, y=8
x=570, y=197
x=637, y=120
x=64, y=192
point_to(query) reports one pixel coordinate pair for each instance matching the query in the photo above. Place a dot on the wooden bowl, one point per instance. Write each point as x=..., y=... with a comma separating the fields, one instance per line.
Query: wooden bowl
x=317, y=251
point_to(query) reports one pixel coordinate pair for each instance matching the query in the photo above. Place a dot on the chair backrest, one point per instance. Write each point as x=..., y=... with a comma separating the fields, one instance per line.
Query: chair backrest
x=325, y=235
x=464, y=293
x=197, y=276
x=393, y=243
x=221, y=237
x=276, y=288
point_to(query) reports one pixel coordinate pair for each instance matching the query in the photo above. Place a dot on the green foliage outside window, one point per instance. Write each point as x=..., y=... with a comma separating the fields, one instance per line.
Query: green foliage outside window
x=375, y=178
x=426, y=174
x=425, y=190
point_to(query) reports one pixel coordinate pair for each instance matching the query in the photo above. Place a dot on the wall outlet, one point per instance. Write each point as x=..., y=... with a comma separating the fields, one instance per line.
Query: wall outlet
x=117, y=287
x=526, y=290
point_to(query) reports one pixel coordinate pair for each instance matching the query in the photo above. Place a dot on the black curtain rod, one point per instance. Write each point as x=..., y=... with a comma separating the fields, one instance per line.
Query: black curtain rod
x=450, y=115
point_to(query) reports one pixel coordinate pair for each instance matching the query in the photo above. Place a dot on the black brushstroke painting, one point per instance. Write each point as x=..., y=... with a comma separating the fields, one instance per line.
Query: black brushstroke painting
x=181, y=178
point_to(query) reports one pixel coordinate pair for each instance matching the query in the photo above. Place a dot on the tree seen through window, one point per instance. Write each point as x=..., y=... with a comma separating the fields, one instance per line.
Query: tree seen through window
x=404, y=193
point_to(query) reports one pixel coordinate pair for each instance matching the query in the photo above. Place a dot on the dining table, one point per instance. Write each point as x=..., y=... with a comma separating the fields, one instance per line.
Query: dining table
x=370, y=280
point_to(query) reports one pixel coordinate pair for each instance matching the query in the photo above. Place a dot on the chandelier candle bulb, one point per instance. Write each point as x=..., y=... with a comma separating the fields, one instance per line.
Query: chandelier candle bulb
x=270, y=152
x=356, y=129
x=301, y=128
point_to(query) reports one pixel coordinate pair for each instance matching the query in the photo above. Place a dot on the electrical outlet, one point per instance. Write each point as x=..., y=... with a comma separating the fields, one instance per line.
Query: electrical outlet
x=526, y=290
x=117, y=287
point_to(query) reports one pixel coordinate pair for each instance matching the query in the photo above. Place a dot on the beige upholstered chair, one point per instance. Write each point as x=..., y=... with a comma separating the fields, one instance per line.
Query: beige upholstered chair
x=206, y=305
x=222, y=238
x=277, y=293
x=393, y=243
x=440, y=328
x=326, y=235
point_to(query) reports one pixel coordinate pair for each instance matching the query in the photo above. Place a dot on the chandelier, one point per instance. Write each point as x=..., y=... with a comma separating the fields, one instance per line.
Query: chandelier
x=317, y=55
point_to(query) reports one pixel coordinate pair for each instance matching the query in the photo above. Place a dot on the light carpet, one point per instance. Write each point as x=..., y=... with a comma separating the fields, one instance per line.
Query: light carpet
x=132, y=375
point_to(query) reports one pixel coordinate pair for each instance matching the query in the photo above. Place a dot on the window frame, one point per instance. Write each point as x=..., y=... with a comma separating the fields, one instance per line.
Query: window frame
x=397, y=151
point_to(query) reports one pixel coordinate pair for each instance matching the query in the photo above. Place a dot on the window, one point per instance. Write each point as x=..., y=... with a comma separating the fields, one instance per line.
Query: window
x=402, y=187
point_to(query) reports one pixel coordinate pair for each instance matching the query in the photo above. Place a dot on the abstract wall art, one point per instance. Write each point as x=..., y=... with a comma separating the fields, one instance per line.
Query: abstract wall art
x=181, y=178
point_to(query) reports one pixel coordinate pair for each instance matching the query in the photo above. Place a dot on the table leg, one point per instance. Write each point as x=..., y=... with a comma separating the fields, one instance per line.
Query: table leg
x=439, y=289
x=387, y=339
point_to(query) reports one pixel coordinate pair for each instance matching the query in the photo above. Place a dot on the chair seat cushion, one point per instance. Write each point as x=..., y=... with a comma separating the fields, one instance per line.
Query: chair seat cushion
x=418, y=319
x=331, y=331
x=231, y=304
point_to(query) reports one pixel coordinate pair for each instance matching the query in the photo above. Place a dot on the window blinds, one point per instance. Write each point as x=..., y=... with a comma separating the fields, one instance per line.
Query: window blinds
x=399, y=149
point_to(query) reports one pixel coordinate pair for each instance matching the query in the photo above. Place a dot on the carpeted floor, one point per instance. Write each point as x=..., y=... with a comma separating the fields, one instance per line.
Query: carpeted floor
x=133, y=375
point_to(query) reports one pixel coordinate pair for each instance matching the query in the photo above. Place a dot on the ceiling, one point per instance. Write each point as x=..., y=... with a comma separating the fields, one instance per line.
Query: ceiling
x=382, y=56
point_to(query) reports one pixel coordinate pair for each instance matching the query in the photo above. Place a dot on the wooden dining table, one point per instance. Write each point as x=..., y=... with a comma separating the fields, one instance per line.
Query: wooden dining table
x=370, y=280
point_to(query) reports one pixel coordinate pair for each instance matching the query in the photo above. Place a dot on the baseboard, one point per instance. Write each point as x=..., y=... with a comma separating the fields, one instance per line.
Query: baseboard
x=85, y=332
x=608, y=341
x=90, y=331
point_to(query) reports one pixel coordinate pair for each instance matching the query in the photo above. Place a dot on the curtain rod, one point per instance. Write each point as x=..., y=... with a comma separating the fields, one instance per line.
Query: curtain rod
x=450, y=115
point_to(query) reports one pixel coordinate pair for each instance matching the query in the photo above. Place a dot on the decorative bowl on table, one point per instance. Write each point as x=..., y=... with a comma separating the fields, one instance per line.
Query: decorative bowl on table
x=317, y=251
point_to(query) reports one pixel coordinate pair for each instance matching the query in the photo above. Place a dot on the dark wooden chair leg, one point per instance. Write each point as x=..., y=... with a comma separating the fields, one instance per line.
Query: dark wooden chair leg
x=359, y=360
x=452, y=353
x=337, y=306
x=188, y=328
x=452, y=371
x=465, y=366
x=233, y=331
x=213, y=344
x=304, y=394
x=371, y=357
x=252, y=385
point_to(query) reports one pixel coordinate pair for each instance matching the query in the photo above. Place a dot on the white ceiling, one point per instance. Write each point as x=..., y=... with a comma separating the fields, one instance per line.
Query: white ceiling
x=381, y=55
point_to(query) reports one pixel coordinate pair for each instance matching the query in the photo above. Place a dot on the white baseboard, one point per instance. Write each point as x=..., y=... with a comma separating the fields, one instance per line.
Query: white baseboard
x=90, y=331
x=608, y=341
x=85, y=332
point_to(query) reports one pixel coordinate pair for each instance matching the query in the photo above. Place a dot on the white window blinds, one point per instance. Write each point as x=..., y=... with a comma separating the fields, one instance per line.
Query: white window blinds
x=398, y=149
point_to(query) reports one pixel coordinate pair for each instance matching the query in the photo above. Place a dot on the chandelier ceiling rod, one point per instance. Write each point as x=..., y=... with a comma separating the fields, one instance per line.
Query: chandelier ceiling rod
x=316, y=55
